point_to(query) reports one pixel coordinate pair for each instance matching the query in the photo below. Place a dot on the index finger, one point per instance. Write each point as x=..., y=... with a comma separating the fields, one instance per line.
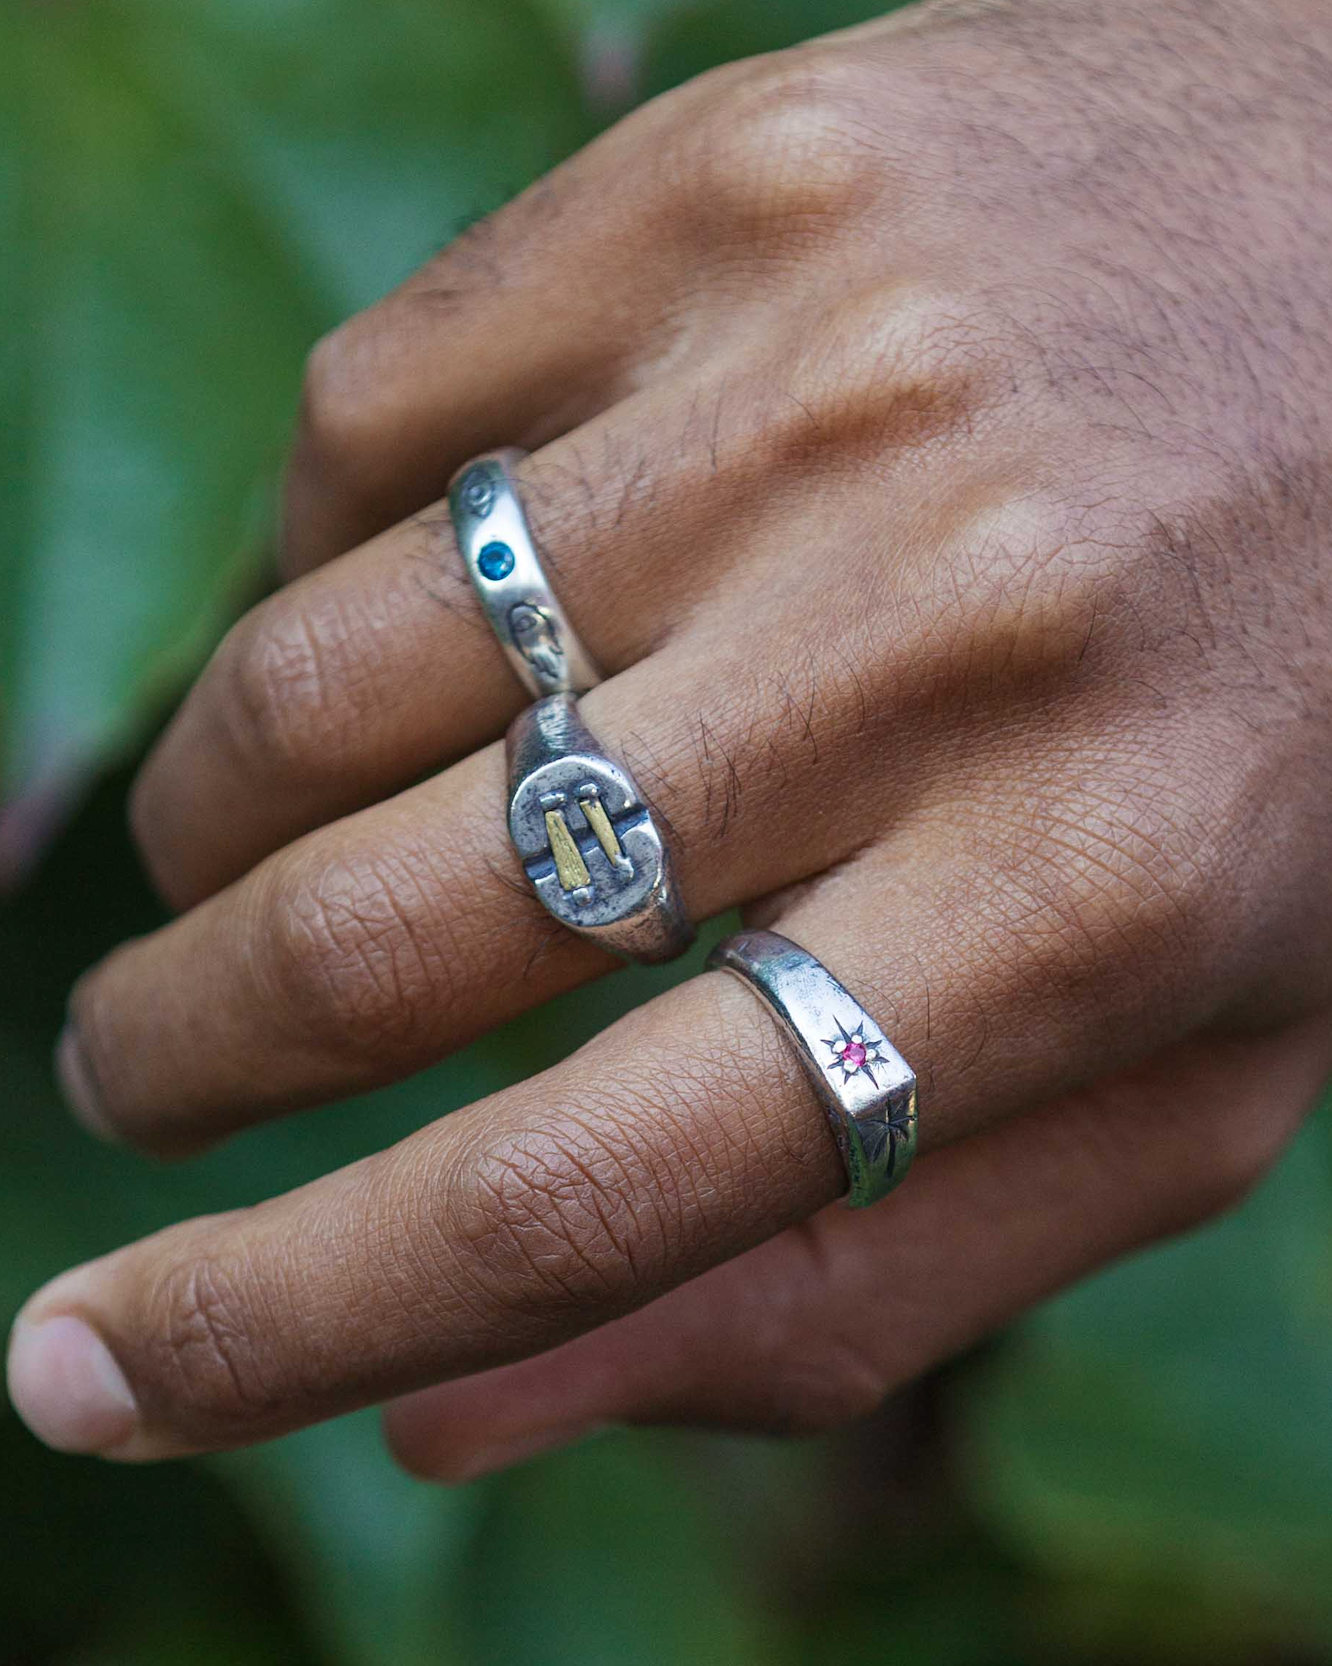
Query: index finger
x=683, y=1135
x=553, y=1206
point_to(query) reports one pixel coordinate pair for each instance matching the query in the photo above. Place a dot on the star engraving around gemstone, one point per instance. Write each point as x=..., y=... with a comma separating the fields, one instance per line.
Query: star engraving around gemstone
x=854, y=1053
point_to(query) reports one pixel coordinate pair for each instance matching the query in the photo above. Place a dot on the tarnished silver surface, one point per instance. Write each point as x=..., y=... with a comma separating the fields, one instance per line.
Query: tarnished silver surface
x=503, y=564
x=587, y=838
x=867, y=1087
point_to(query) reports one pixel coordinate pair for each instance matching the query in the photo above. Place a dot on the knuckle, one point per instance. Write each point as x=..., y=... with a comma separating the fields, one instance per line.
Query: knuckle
x=952, y=349
x=563, y=1217
x=339, y=431
x=350, y=959
x=1087, y=584
x=1237, y=1152
x=889, y=366
x=1111, y=892
x=1125, y=889
x=1023, y=583
x=206, y=1366
x=1035, y=593
x=777, y=149
x=281, y=708
x=814, y=1393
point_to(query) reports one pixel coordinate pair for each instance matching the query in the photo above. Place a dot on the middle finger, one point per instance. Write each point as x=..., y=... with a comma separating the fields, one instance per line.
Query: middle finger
x=377, y=945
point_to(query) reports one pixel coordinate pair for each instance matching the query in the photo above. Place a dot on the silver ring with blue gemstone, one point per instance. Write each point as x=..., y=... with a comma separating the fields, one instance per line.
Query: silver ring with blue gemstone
x=867, y=1088
x=506, y=570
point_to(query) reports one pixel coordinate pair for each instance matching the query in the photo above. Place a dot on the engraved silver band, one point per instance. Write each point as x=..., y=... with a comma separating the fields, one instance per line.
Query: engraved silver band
x=867, y=1087
x=503, y=563
x=587, y=837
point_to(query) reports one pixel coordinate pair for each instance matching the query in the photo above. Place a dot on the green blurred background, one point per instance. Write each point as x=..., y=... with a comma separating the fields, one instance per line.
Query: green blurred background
x=190, y=192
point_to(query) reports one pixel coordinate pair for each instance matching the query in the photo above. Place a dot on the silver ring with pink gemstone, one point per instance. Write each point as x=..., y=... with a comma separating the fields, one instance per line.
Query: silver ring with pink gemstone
x=867, y=1087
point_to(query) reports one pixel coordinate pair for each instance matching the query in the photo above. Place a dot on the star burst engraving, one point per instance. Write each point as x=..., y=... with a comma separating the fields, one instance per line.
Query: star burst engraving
x=854, y=1053
x=881, y=1137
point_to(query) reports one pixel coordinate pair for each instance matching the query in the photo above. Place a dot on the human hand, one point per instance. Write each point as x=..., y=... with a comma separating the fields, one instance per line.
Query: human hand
x=930, y=432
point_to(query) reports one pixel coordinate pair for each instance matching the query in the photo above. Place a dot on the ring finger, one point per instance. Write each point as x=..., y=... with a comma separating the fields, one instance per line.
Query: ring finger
x=810, y=1330
x=376, y=945
x=683, y=1136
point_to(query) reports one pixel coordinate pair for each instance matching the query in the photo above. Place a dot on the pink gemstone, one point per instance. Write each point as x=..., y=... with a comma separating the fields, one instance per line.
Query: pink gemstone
x=853, y=1055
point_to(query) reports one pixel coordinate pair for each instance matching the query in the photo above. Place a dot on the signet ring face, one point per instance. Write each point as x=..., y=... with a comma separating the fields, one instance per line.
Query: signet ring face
x=587, y=838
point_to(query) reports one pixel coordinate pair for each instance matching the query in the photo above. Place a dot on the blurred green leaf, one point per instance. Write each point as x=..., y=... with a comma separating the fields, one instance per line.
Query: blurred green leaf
x=374, y=1558
x=205, y=186
x=605, y=1555
x=960, y=1613
x=195, y=1623
x=96, y=1555
x=1168, y=1426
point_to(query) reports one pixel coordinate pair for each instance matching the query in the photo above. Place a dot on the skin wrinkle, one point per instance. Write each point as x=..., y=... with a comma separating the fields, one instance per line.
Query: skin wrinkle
x=556, y=1255
x=360, y=1017
x=437, y=1230
x=302, y=690
x=204, y=1338
x=540, y=1185
x=349, y=953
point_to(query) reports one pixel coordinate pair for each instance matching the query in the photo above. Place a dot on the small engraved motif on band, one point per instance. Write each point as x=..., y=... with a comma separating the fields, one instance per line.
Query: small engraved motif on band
x=478, y=491
x=536, y=636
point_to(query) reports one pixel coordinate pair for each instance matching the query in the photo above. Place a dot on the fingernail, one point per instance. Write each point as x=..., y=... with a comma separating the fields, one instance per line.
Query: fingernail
x=66, y=1386
x=504, y=1454
x=79, y=1088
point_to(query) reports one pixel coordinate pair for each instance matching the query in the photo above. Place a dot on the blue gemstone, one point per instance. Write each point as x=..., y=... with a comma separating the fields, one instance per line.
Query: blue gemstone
x=495, y=561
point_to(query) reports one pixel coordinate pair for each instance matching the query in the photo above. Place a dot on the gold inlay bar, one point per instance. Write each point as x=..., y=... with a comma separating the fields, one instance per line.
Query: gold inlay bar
x=570, y=868
x=599, y=822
